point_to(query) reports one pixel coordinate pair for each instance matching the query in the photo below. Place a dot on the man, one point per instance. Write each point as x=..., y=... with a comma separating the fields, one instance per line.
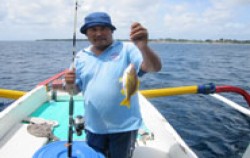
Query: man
x=110, y=127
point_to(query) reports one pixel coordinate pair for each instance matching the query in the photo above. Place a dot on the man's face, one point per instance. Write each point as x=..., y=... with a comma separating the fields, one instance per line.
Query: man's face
x=100, y=36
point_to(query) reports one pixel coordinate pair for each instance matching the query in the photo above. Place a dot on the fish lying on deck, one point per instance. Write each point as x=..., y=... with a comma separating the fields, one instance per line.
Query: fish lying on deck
x=42, y=130
x=40, y=127
x=37, y=120
x=130, y=84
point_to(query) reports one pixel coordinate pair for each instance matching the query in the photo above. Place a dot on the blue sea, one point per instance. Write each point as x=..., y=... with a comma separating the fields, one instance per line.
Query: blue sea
x=211, y=128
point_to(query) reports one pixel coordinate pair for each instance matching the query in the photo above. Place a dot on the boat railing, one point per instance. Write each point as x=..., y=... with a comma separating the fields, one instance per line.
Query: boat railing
x=49, y=81
x=210, y=88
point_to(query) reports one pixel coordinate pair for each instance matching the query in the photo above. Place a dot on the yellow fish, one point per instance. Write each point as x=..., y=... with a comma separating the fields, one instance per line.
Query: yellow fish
x=130, y=84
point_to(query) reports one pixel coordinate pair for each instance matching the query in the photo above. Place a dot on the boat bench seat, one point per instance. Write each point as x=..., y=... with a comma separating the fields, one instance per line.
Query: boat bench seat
x=19, y=143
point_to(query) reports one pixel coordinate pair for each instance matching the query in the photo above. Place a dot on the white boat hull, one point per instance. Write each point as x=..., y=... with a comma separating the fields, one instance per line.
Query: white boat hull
x=16, y=141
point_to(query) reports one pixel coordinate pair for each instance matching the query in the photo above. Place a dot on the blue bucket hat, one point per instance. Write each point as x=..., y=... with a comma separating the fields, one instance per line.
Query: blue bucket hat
x=97, y=19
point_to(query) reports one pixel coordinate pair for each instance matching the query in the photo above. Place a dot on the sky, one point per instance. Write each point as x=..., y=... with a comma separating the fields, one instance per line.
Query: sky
x=177, y=19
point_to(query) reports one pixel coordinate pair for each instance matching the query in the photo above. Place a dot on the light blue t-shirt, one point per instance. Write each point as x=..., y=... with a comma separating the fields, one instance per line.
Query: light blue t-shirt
x=98, y=78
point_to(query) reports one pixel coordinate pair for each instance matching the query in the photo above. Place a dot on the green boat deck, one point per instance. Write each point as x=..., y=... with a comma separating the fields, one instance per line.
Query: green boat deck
x=59, y=111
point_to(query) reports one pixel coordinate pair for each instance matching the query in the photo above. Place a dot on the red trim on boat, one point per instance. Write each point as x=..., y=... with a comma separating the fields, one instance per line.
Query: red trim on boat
x=49, y=80
x=237, y=90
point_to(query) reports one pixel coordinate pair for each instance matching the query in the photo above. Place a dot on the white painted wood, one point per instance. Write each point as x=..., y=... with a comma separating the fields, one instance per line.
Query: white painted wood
x=19, y=143
x=166, y=143
x=232, y=104
x=247, y=152
x=21, y=108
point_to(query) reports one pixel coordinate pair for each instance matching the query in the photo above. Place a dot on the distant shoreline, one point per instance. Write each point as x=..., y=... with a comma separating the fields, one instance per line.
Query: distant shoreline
x=169, y=40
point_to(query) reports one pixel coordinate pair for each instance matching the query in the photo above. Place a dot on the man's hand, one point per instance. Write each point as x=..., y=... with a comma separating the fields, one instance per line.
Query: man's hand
x=70, y=77
x=70, y=86
x=139, y=35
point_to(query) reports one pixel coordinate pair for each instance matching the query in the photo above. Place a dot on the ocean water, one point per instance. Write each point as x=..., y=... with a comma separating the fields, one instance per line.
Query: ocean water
x=211, y=128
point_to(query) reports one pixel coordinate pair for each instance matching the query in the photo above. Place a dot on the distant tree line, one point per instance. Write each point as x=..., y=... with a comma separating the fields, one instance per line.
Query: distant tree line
x=171, y=40
x=202, y=41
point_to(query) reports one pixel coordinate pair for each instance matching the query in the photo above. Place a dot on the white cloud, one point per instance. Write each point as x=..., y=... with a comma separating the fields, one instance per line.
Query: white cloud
x=38, y=19
x=3, y=11
x=38, y=12
x=216, y=20
x=192, y=19
x=230, y=3
x=124, y=12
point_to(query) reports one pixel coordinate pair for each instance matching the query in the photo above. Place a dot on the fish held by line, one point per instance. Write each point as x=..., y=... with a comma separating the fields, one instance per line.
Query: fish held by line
x=130, y=84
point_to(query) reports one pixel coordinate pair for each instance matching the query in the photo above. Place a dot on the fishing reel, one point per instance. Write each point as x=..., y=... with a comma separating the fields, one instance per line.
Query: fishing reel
x=79, y=124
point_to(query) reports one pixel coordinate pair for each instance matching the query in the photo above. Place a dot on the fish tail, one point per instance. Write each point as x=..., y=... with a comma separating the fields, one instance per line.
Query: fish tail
x=125, y=102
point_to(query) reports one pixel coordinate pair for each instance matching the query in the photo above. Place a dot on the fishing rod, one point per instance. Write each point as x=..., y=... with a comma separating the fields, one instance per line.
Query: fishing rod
x=71, y=101
x=74, y=34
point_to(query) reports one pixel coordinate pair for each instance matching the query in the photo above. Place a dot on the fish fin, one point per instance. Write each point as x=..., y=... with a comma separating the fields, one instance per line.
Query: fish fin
x=120, y=79
x=123, y=92
x=125, y=102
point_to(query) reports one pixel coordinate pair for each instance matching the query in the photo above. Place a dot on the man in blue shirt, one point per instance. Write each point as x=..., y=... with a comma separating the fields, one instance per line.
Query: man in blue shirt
x=110, y=127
